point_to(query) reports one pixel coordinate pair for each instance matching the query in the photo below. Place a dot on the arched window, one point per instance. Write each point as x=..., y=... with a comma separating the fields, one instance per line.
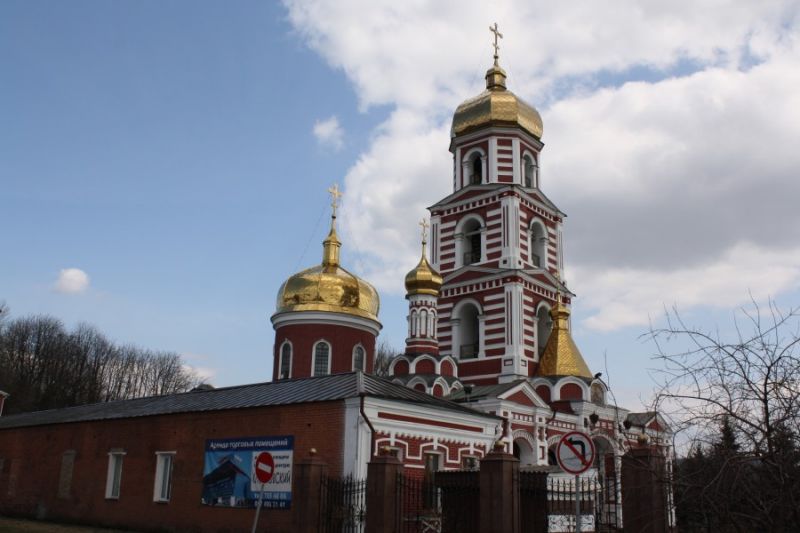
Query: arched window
x=472, y=244
x=543, y=327
x=469, y=331
x=538, y=245
x=527, y=170
x=530, y=171
x=359, y=357
x=475, y=169
x=322, y=359
x=423, y=320
x=285, y=368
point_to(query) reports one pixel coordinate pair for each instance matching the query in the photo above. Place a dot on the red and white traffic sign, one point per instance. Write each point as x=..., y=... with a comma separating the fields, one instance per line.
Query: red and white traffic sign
x=264, y=467
x=575, y=452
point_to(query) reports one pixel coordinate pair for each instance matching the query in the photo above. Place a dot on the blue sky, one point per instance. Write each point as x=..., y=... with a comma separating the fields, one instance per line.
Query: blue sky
x=178, y=154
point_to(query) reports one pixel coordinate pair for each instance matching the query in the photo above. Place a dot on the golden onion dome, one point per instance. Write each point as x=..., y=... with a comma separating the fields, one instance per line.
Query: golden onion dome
x=423, y=279
x=328, y=287
x=496, y=106
x=561, y=356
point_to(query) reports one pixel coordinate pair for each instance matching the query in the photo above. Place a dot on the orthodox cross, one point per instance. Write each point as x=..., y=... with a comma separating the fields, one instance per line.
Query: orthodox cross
x=497, y=35
x=424, y=225
x=335, y=195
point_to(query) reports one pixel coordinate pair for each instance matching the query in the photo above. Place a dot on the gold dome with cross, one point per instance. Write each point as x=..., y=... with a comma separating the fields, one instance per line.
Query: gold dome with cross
x=328, y=287
x=496, y=106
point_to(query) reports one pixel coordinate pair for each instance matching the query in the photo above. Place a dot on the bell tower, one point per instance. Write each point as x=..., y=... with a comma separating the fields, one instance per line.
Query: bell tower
x=496, y=240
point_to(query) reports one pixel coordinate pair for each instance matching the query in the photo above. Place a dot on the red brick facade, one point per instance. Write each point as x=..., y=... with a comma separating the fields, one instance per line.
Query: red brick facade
x=29, y=480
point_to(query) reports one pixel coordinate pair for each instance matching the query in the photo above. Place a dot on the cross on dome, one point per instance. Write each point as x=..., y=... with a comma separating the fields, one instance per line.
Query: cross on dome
x=335, y=195
x=424, y=225
x=497, y=35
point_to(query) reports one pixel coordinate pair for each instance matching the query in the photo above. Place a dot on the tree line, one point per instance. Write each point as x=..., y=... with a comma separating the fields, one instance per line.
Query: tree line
x=43, y=365
x=737, y=399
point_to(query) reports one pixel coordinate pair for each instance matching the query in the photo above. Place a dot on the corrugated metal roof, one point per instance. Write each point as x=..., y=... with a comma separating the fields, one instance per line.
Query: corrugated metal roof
x=285, y=392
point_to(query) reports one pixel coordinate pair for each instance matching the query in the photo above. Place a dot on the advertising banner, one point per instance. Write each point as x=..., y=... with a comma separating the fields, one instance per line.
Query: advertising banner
x=241, y=472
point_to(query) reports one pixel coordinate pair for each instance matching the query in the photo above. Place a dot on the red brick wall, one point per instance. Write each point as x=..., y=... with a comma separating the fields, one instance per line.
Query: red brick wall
x=35, y=456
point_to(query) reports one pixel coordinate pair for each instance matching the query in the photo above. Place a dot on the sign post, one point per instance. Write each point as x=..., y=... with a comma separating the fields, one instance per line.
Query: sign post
x=264, y=467
x=575, y=455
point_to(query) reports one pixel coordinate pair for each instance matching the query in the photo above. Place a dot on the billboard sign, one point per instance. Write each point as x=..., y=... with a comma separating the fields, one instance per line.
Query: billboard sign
x=233, y=469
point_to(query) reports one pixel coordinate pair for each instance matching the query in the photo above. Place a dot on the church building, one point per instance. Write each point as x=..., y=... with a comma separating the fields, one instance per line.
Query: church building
x=489, y=361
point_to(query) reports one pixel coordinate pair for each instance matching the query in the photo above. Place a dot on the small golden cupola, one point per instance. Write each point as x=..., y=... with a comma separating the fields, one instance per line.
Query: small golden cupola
x=422, y=292
x=561, y=356
x=496, y=106
x=423, y=279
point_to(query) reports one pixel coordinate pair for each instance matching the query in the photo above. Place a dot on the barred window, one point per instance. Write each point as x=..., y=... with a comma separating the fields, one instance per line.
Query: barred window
x=359, y=355
x=322, y=353
x=286, y=361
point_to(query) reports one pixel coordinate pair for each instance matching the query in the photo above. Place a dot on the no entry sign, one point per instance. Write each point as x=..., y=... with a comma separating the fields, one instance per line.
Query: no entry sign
x=575, y=452
x=265, y=466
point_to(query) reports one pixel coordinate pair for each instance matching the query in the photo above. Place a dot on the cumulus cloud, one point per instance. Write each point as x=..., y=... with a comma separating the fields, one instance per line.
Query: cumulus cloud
x=71, y=281
x=669, y=131
x=329, y=133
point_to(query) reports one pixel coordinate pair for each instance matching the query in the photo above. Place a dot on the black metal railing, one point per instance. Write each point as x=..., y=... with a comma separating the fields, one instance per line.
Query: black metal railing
x=533, y=502
x=460, y=501
x=344, y=505
x=418, y=506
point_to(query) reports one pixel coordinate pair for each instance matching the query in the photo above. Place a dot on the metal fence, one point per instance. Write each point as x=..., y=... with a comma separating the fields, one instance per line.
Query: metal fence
x=344, y=505
x=598, y=504
x=460, y=499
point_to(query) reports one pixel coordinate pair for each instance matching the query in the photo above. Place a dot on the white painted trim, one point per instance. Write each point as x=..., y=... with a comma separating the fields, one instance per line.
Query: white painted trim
x=324, y=317
x=353, y=360
x=159, y=477
x=280, y=358
x=113, y=456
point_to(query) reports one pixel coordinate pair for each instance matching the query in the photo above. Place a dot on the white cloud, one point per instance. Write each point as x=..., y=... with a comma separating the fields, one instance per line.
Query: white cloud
x=679, y=187
x=620, y=297
x=329, y=133
x=71, y=281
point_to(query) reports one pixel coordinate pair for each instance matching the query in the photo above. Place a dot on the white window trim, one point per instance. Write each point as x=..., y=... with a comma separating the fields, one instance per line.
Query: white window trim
x=314, y=357
x=159, y=477
x=280, y=359
x=364, y=365
x=113, y=455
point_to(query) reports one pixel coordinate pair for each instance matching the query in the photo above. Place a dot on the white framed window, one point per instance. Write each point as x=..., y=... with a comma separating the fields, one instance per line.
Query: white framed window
x=359, y=358
x=321, y=364
x=114, y=477
x=162, y=488
x=285, y=368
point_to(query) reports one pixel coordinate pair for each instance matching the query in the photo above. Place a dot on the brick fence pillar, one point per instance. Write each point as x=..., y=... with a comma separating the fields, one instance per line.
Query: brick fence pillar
x=306, y=504
x=499, y=482
x=382, y=513
x=644, y=491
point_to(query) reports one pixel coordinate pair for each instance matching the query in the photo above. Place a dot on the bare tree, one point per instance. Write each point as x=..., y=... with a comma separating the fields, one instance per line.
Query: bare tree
x=739, y=401
x=384, y=354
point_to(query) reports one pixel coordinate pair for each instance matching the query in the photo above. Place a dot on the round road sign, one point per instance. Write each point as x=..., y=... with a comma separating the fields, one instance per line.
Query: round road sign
x=575, y=452
x=264, y=467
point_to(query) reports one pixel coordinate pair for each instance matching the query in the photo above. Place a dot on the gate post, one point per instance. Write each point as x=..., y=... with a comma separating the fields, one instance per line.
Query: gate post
x=383, y=472
x=307, y=494
x=644, y=485
x=499, y=496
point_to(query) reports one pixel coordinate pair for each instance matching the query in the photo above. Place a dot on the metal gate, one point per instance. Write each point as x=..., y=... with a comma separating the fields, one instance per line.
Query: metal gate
x=344, y=505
